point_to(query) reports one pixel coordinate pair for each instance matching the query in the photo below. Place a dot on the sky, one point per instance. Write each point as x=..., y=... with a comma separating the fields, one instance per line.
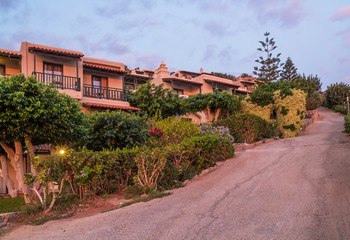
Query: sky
x=218, y=36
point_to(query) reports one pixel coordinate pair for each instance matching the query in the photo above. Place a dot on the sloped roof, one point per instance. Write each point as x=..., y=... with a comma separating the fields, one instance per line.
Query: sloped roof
x=108, y=106
x=103, y=68
x=224, y=81
x=182, y=80
x=54, y=50
x=10, y=53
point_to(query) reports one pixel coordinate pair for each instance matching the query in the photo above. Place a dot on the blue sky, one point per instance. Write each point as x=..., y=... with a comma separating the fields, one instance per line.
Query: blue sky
x=220, y=36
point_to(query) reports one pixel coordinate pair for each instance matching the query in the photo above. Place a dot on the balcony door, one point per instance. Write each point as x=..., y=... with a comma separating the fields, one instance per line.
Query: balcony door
x=2, y=70
x=100, y=86
x=53, y=71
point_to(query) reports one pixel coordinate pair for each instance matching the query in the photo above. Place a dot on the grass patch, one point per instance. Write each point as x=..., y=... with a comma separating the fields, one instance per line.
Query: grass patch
x=41, y=219
x=147, y=198
x=11, y=204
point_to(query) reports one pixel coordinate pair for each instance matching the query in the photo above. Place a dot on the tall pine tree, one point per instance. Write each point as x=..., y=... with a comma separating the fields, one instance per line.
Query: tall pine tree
x=289, y=71
x=269, y=67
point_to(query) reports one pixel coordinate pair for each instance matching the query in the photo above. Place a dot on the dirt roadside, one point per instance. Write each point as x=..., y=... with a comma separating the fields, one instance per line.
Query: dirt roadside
x=296, y=188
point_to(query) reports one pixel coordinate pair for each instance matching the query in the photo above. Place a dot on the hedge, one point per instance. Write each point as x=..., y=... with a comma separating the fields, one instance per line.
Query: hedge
x=247, y=127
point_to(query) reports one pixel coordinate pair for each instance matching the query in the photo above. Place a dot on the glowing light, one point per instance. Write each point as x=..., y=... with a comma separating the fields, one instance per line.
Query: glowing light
x=62, y=152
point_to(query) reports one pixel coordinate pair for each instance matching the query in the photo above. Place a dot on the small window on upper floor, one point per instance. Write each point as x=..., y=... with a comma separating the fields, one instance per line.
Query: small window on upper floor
x=179, y=91
x=2, y=69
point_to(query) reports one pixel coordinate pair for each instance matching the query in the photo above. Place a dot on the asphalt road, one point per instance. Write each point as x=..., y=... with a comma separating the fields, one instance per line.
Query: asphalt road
x=297, y=188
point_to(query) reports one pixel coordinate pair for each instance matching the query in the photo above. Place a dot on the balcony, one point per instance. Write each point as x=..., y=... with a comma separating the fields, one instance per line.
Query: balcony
x=60, y=81
x=104, y=92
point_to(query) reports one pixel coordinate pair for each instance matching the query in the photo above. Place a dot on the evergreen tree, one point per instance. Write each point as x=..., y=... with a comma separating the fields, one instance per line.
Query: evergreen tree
x=289, y=71
x=269, y=68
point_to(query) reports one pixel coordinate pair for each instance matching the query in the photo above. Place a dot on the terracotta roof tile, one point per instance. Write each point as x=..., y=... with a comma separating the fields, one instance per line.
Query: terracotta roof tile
x=10, y=52
x=243, y=90
x=98, y=105
x=104, y=68
x=59, y=51
x=183, y=80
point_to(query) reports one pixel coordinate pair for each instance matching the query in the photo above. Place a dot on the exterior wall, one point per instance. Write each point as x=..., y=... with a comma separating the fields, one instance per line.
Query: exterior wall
x=114, y=81
x=188, y=89
x=12, y=65
x=69, y=66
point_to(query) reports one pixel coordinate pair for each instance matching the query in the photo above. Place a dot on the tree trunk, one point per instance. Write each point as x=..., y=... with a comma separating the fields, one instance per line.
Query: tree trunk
x=12, y=191
x=217, y=114
x=19, y=168
x=207, y=114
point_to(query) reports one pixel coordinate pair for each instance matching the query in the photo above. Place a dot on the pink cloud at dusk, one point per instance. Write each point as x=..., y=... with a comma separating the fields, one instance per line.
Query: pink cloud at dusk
x=289, y=13
x=341, y=14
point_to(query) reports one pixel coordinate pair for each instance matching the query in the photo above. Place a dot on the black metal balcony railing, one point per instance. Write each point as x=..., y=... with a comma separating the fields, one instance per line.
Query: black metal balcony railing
x=60, y=81
x=104, y=92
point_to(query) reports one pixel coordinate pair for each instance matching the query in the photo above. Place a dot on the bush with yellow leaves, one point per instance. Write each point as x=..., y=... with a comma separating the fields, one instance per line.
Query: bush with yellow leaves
x=250, y=107
x=290, y=111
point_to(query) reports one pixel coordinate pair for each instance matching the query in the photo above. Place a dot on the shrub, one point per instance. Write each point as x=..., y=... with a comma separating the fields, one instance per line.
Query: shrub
x=190, y=157
x=290, y=112
x=247, y=127
x=250, y=107
x=341, y=109
x=116, y=129
x=89, y=173
x=174, y=129
x=313, y=101
x=347, y=123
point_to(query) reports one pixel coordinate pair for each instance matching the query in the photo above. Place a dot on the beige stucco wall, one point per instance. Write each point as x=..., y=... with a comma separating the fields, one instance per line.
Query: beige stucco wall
x=12, y=65
x=188, y=89
x=114, y=80
x=69, y=66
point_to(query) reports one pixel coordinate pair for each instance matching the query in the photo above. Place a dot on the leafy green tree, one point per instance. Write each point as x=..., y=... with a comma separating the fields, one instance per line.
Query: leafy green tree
x=153, y=99
x=31, y=111
x=308, y=83
x=216, y=102
x=263, y=95
x=312, y=86
x=269, y=66
x=289, y=72
x=336, y=94
x=111, y=130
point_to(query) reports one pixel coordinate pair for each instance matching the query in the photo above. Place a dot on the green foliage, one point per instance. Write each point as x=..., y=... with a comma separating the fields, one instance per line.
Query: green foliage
x=11, y=204
x=116, y=129
x=341, y=109
x=289, y=71
x=313, y=101
x=347, y=123
x=269, y=67
x=284, y=111
x=290, y=127
x=228, y=103
x=175, y=129
x=190, y=157
x=224, y=75
x=30, y=108
x=263, y=95
x=90, y=172
x=336, y=94
x=154, y=99
x=247, y=127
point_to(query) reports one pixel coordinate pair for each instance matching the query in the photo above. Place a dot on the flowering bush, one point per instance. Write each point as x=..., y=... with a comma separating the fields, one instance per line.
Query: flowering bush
x=220, y=131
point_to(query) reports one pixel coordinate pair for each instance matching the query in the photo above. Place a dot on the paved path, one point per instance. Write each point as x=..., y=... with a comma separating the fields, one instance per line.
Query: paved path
x=295, y=188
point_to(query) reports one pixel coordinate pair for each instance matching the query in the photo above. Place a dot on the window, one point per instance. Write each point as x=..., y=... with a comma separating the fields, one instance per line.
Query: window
x=2, y=69
x=53, y=71
x=179, y=91
x=99, y=86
